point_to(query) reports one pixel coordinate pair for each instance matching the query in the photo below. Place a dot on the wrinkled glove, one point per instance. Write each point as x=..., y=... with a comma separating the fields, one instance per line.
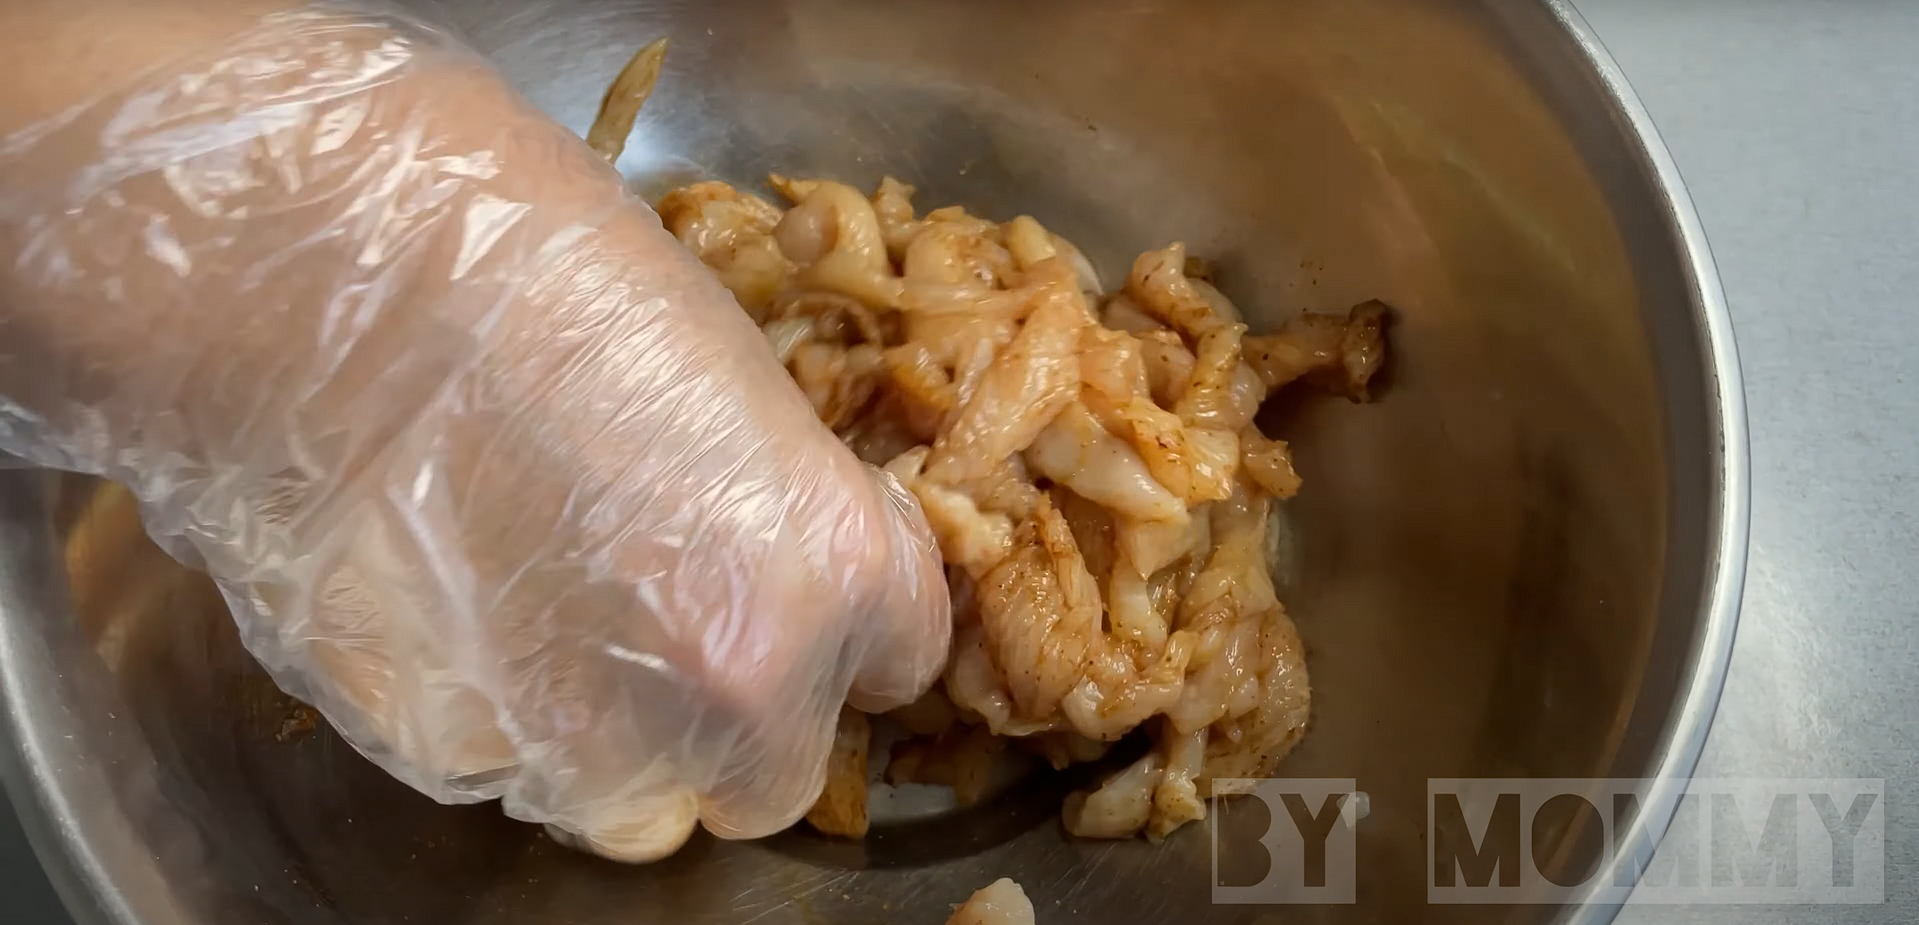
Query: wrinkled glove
x=489, y=469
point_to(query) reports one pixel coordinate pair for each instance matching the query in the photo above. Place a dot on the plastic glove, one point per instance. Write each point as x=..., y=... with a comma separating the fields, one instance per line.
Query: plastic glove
x=489, y=469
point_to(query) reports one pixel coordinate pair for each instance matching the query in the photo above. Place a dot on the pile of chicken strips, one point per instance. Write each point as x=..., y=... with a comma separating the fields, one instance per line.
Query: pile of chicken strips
x=1088, y=459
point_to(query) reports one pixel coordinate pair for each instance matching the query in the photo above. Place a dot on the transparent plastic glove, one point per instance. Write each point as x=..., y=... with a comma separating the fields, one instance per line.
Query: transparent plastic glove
x=489, y=469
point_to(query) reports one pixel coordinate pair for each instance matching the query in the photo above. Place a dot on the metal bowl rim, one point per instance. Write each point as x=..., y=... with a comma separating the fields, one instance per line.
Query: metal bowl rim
x=1725, y=579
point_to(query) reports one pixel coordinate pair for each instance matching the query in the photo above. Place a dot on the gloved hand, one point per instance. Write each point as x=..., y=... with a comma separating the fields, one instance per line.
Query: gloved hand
x=489, y=469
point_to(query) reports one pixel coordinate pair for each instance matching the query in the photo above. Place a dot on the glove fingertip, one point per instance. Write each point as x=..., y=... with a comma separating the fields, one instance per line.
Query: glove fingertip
x=913, y=611
x=771, y=793
x=637, y=833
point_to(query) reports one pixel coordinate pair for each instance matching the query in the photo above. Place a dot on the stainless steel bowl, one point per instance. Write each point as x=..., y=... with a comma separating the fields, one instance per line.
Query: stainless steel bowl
x=1524, y=561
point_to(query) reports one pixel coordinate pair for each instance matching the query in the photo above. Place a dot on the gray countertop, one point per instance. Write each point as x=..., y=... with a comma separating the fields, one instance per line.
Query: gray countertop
x=1796, y=123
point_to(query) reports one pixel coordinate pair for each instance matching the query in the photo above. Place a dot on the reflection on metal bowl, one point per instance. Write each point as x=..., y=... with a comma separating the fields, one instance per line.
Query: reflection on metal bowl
x=1523, y=562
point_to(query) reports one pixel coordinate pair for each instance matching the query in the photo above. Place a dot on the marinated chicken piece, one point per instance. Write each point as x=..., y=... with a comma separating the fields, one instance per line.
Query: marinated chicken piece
x=975, y=687
x=834, y=235
x=1339, y=355
x=973, y=684
x=1158, y=285
x=922, y=387
x=1092, y=527
x=732, y=233
x=1269, y=463
x=840, y=382
x=1117, y=693
x=1029, y=382
x=1176, y=801
x=893, y=206
x=1147, y=546
x=841, y=808
x=786, y=335
x=1221, y=305
x=1265, y=716
x=1169, y=365
x=969, y=538
x=1121, y=313
x=1007, y=487
x=684, y=210
x=1134, y=612
x=1001, y=903
x=1040, y=608
x=1075, y=451
x=1195, y=463
x=961, y=326
x=957, y=254
x=970, y=366
x=1101, y=498
x=965, y=758
x=1251, y=744
x=624, y=97
x=1216, y=395
x=1223, y=673
x=1112, y=373
x=1028, y=242
x=1031, y=245
x=1121, y=805
x=836, y=318
x=1224, y=609
x=967, y=221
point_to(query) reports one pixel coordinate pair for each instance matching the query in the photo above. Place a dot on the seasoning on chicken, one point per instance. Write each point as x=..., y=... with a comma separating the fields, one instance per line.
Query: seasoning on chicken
x=841, y=808
x=1089, y=466
x=621, y=105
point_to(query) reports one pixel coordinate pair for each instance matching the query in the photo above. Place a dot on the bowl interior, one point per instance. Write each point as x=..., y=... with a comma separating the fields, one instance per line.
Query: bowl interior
x=1499, y=568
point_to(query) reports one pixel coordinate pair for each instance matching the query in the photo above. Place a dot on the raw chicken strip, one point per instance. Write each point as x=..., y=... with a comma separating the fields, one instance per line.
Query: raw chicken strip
x=841, y=808
x=970, y=538
x=1121, y=805
x=975, y=686
x=833, y=233
x=1031, y=245
x=893, y=208
x=732, y=233
x=1159, y=287
x=958, y=254
x=1216, y=395
x=1195, y=463
x=1147, y=546
x=1337, y=354
x=923, y=388
x=1036, y=375
x=1113, y=371
x=840, y=382
x=1117, y=694
x=1040, y=609
x=1252, y=744
x=1176, y=801
x=1269, y=463
x=1075, y=451
x=1002, y=902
